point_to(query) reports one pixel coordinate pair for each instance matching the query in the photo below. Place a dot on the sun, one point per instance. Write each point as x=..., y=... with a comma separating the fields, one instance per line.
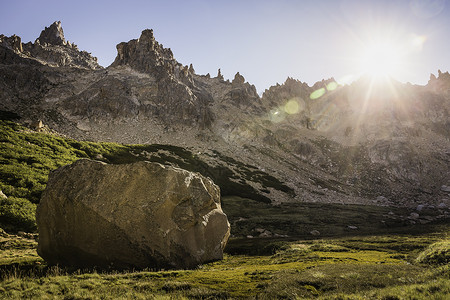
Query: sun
x=381, y=59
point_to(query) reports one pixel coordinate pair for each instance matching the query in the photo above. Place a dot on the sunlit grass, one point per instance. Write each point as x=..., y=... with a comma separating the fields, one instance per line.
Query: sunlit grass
x=306, y=269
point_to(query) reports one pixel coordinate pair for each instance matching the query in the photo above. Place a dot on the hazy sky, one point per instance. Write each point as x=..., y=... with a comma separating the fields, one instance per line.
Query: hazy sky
x=266, y=41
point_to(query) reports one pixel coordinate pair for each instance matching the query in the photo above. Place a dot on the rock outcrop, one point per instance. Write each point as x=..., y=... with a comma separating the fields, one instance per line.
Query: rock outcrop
x=53, y=35
x=13, y=42
x=178, y=99
x=147, y=55
x=50, y=48
x=140, y=215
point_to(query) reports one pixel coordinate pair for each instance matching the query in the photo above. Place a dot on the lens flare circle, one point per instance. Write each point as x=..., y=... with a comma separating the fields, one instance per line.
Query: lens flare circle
x=292, y=107
x=317, y=93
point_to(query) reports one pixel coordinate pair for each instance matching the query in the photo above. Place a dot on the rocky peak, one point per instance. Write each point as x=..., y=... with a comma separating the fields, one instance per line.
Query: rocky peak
x=219, y=75
x=178, y=100
x=291, y=88
x=146, y=55
x=238, y=79
x=323, y=83
x=147, y=37
x=191, y=69
x=440, y=83
x=53, y=35
x=13, y=42
x=50, y=49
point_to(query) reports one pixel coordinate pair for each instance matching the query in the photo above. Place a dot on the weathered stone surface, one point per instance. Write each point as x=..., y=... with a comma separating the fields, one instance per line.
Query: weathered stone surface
x=238, y=79
x=178, y=99
x=13, y=42
x=130, y=216
x=50, y=48
x=314, y=232
x=53, y=34
x=445, y=188
x=146, y=55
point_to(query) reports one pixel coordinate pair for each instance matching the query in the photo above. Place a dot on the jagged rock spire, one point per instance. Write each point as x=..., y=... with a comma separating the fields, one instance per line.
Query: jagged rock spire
x=146, y=55
x=53, y=35
x=219, y=75
x=238, y=79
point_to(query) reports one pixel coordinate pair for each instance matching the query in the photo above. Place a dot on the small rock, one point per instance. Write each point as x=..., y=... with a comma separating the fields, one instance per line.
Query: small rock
x=391, y=213
x=414, y=216
x=37, y=125
x=280, y=235
x=442, y=205
x=249, y=236
x=352, y=227
x=259, y=230
x=315, y=232
x=445, y=188
x=2, y=195
x=265, y=234
x=420, y=207
x=381, y=199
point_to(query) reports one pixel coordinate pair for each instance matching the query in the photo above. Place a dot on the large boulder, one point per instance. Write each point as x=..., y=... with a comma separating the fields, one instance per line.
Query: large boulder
x=139, y=215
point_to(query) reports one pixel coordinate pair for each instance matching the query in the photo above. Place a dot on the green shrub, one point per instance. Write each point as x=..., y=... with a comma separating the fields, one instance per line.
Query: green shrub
x=274, y=247
x=17, y=213
x=436, y=254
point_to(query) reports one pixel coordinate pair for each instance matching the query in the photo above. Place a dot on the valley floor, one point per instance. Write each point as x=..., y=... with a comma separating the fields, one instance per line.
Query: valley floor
x=353, y=267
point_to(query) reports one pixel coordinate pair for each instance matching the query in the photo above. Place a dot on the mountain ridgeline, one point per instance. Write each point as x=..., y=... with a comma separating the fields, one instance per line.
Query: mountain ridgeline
x=382, y=143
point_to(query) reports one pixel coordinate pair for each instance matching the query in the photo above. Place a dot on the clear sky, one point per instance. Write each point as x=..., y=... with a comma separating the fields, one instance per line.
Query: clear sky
x=266, y=41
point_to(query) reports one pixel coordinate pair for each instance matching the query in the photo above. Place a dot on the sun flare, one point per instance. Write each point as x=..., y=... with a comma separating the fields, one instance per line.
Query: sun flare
x=381, y=59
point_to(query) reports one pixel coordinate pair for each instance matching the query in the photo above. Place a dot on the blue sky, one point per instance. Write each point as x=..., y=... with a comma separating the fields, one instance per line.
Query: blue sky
x=266, y=41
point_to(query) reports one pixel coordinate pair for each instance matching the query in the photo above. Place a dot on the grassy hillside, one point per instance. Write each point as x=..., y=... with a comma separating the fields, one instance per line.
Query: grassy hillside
x=25, y=162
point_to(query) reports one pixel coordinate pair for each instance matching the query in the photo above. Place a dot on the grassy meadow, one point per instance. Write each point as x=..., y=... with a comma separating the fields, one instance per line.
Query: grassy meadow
x=370, y=267
x=361, y=252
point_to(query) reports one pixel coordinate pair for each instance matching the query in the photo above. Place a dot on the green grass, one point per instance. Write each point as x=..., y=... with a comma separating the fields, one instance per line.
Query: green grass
x=436, y=254
x=18, y=213
x=338, y=268
x=28, y=157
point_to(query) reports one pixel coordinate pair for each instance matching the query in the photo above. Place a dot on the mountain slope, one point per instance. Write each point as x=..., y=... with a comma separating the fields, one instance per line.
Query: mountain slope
x=369, y=142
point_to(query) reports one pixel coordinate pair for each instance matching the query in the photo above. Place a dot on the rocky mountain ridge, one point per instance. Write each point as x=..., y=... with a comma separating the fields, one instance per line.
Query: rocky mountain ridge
x=383, y=143
x=50, y=48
